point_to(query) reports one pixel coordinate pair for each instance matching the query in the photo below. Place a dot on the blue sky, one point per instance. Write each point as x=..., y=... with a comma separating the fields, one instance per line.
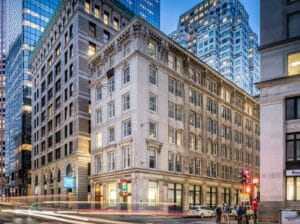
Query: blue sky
x=172, y=9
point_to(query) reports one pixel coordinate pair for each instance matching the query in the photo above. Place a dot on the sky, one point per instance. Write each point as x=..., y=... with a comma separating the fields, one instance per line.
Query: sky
x=172, y=9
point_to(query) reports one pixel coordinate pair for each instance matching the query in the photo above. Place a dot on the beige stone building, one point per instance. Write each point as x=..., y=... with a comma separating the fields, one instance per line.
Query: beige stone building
x=167, y=130
x=280, y=110
x=61, y=95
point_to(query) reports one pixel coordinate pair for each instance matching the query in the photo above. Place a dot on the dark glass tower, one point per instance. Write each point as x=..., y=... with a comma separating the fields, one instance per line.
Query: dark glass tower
x=147, y=9
x=27, y=20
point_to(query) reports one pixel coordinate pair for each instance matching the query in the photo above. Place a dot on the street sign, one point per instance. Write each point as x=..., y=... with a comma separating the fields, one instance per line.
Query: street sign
x=244, y=197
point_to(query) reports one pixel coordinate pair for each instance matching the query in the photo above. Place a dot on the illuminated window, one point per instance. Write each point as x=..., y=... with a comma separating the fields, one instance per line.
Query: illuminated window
x=116, y=24
x=293, y=188
x=106, y=18
x=152, y=49
x=91, y=49
x=152, y=193
x=294, y=64
x=87, y=6
x=99, y=139
x=97, y=12
x=153, y=130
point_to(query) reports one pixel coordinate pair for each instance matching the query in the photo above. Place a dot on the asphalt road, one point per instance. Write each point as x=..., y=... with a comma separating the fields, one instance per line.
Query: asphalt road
x=9, y=218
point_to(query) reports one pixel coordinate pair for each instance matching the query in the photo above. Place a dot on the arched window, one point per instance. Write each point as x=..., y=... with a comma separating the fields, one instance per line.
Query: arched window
x=36, y=181
x=69, y=171
x=58, y=176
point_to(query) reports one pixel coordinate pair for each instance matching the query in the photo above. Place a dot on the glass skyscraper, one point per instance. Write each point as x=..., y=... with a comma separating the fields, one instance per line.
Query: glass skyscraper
x=218, y=32
x=26, y=20
x=2, y=93
x=147, y=9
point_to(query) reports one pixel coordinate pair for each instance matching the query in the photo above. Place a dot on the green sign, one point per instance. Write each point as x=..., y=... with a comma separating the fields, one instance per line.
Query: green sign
x=124, y=187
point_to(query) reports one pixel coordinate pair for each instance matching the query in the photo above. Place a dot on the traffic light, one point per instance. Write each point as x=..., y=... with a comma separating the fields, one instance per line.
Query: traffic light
x=245, y=176
x=248, y=189
x=122, y=185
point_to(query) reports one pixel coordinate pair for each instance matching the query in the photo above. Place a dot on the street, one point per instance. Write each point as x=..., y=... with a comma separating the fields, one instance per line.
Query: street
x=35, y=217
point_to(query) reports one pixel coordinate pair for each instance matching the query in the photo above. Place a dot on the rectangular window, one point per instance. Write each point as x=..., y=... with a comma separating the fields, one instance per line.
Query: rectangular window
x=178, y=163
x=126, y=128
x=111, y=84
x=171, y=162
x=91, y=49
x=126, y=102
x=171, y=110
x=97, y=12
x=98, y=139
x=293, y=108
x=179, y=137
x=152, y=158
x=294, y=61
x=98, y=117
x=98, y=93
x=87, y=6
x=171, y=135
x=116, y=24
x=92, y=29
x=153, y=103
x=111, y=134
x=99, y=163
x=293, y=188
x=111, y=109
x=293, y=147
x=126, y=48
x=152, y=49
x=152, y=75
x=126, y=75
x=293, y=24
x=126, y=157
x=111, y=161
x=106, y=18
x=152, y=130
x=192, y=166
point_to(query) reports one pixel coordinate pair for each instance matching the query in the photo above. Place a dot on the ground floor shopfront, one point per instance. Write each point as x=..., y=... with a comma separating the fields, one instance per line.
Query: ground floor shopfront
x=64, y=181
x=138, y=190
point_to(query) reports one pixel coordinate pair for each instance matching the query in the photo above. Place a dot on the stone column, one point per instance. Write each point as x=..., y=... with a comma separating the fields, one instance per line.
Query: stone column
x=185, y=197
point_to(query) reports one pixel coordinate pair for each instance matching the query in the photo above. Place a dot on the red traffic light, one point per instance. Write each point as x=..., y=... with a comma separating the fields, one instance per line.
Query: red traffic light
x=248, y=189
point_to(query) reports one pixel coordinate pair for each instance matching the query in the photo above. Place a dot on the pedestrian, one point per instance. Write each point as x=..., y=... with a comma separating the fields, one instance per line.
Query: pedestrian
x=255, y=208
x=218, y=214
x=225, y=216
x=247, y=215
x=240, y=213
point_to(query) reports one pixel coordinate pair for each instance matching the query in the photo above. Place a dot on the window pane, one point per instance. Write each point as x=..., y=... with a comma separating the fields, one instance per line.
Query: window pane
x=297, y=149
x=298, y=108
x=290, y=188
x=290, y=108
x=290, y=150
x=294, y=62
x=293, y=24
x=297, y=188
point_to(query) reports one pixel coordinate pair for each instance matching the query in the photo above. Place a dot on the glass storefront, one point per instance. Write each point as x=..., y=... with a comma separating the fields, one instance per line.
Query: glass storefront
x=195, y=195
x=175, y=197
x=152, y=194
x=293, y=188
x=226, y=196
x=111, y=195
x=211, y=196
x=99, y=196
